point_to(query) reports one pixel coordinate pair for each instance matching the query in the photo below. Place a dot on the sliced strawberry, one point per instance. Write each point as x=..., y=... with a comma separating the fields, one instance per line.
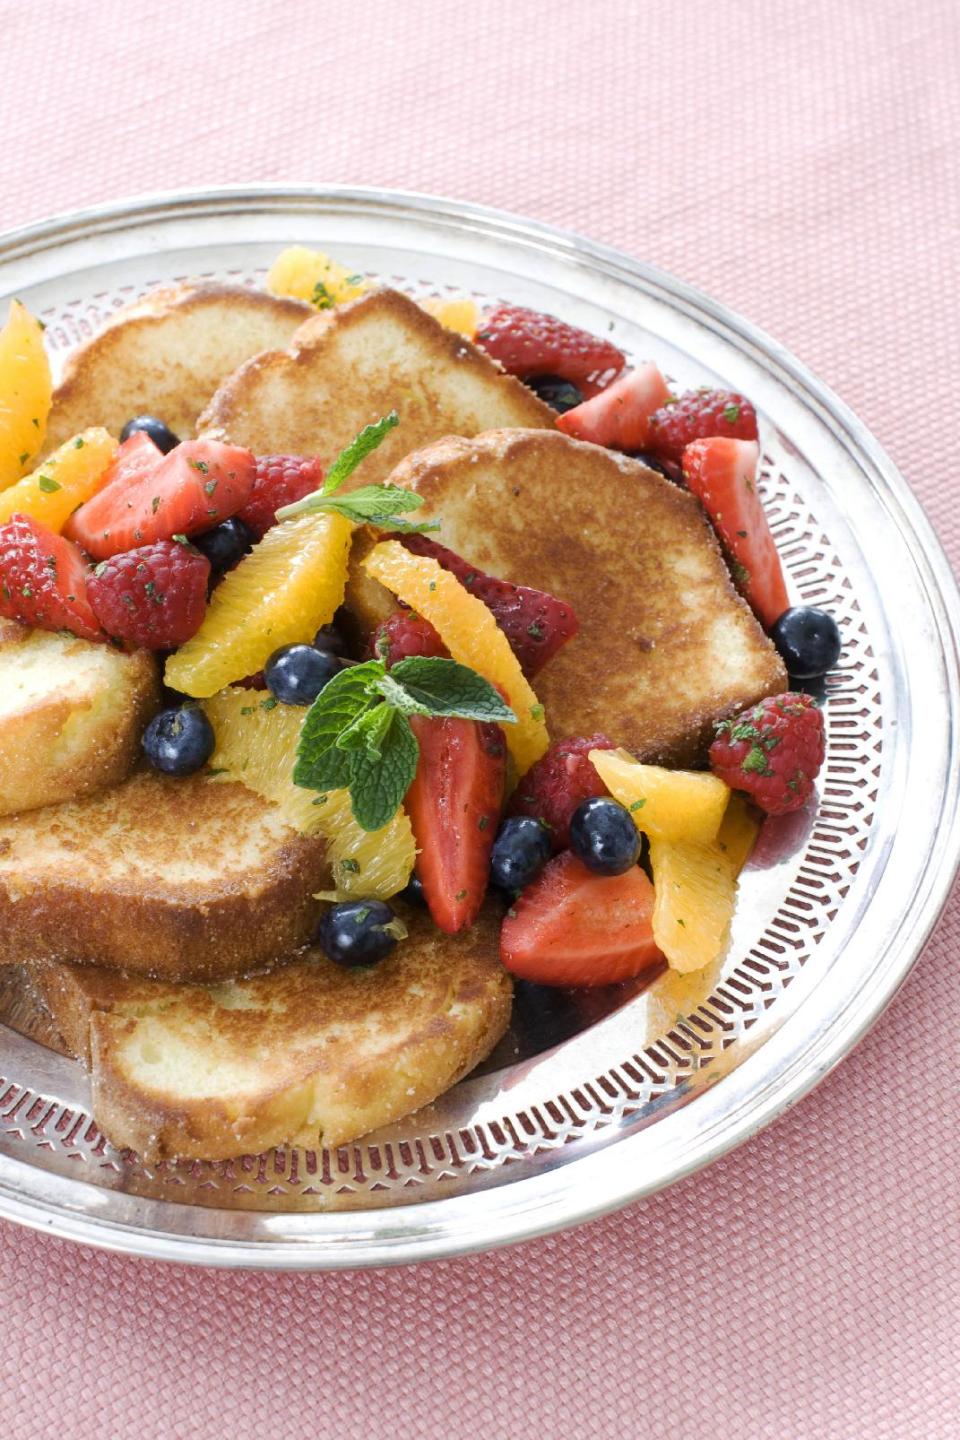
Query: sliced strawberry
x=404, y=634
x=575, y=927
x=527, y=342
x=154, y=596
x=619, y=417
x=560, y=780
x=43, y=580
x=699, y=415
x=280, y=480
x=454, y=806
x=536, y=624
x=192, y=489
x=723, y=473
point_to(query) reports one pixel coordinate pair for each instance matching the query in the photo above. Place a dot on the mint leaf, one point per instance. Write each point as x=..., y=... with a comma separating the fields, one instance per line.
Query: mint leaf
x=372, y=504
x=320, y=764
x=434, y=686
x=379, y=782
x=367, y=731
x=358, y=449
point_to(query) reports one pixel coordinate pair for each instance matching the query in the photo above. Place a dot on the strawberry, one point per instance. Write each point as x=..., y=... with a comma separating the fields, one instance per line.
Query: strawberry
x=723, y=473
x=527, y=343
x=575, y=927
x=699, y=415
x=154, y=596
x=43, y=580
x=279, y=481
x=553, y=788
x=619, y=417
x=192, y=489
x=536, y=624
x=454, y=806
x=404, y=634
x=772, y=751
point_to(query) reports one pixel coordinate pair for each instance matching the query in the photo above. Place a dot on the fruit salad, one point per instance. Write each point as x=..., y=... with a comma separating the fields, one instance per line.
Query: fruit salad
x=418, y=748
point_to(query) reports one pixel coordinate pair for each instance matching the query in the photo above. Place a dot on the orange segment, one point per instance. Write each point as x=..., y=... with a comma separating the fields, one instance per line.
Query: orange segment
x=303, y=274
x=26, y=389
x=461, y=315
x=738, y=832
x=282, y=592
x=471, y=635
x=257, y=745
x=671, y=804
x=695, y=890
x=65, y=480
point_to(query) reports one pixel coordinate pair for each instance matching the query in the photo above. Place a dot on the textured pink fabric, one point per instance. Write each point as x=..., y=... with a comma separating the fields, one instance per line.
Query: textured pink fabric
x=799, y=161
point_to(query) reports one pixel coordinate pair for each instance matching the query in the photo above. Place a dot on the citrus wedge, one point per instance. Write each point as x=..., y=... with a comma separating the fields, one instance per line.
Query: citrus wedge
x=695, y=889
x=738, y=832
x=461, y=315
x=281, y=593
x=470, y=633
x=671, y=804
x=65, y=480
x=257, y=745
x=26, y=389
x=303, y=274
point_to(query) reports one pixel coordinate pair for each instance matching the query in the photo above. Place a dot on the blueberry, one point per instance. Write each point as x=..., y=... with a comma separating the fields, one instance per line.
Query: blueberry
x=328, y=637
x=808, y=641
x=179, y=741
x=520, y=851
x=161, y=435
x=357, y=932
x=652, y=463
x=561, y=395
x=413, y=891
x=296, y=674
x=603, y=836
x=225, y=545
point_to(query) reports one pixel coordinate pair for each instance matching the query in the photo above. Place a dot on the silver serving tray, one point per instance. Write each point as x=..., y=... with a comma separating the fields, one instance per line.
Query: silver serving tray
x=595, y=1098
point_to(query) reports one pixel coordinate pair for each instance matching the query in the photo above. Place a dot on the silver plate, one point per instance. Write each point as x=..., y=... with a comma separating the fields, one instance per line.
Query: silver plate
x=594, y=1100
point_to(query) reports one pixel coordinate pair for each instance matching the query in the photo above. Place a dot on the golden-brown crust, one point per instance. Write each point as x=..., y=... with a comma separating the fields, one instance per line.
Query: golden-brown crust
x=666, y=647
x=348, y=366
x=146, y=359
x=183, y=879
x=76, y=737
x=345, y=1051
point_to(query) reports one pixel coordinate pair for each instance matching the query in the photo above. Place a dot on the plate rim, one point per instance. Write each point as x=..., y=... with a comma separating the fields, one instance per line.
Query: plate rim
x=536, y=1215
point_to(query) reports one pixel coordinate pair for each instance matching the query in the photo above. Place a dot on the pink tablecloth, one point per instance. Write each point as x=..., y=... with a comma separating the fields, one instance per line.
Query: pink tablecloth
x=798, y=160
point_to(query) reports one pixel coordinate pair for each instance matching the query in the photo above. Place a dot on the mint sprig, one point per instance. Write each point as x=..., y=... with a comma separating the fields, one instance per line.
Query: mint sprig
x=380, y=505
x=357, y=734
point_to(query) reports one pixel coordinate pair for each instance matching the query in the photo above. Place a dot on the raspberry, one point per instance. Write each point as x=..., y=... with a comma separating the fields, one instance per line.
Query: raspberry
x=773, y=752
x=279, y=481
x=699, y=415
x=404, y=634
x=527, y=343
x=43, y=579
x=553, y=788
x=155, y=596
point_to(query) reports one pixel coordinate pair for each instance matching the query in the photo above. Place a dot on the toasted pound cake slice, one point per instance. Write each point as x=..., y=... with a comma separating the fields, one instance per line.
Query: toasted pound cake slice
x=179, y=879
x=310, y=1053
x=666, y=647
x=348, y=366
x=71, y=715
x=165, y=355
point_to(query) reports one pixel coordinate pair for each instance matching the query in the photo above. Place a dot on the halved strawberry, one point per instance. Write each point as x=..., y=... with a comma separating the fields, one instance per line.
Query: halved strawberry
x=535, y=623
x=575, y=927
x=43, y=580
x=527, y=342
x=619, y=417
x=404, y=634
x=454, y=806
x=723, y=473
x=192, y=489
